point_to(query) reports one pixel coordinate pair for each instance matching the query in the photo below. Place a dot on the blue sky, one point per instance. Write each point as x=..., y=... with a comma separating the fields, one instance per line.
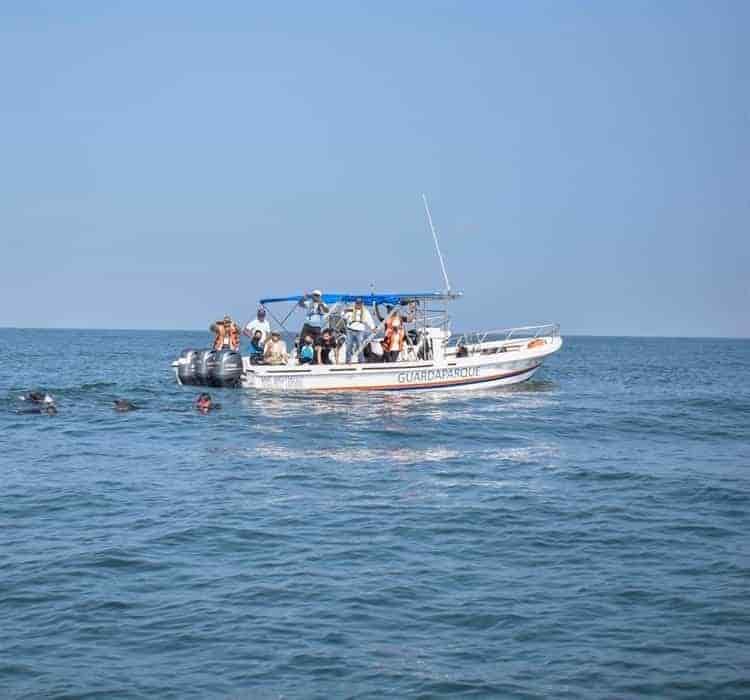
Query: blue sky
x=586, y=162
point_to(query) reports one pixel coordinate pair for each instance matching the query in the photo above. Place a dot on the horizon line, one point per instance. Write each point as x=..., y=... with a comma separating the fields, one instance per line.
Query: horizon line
x=203, y=330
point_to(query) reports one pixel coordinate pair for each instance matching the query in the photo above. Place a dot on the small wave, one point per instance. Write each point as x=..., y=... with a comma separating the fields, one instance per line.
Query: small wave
x=521, y=455
x=399, y=455
x=115, y=559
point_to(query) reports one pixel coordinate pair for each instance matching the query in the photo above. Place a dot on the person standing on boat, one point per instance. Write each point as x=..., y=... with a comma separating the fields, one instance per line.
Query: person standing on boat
x=227, y=334
x=358, y=322
x=316, y=310
x=395, y=334
x=259, y=323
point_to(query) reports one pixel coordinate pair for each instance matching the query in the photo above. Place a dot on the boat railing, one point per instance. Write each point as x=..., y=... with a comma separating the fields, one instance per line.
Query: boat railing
x=472, y=339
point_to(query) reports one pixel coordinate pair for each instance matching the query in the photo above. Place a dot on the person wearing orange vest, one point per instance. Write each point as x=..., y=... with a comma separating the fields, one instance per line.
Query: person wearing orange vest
x=234, y=336
x=227, y=334
x=395, y=333
x=218, y=330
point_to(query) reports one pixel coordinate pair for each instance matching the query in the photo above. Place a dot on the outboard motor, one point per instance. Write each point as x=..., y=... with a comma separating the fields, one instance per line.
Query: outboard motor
x=202, y=363
x=186, y=367
x=225, y=368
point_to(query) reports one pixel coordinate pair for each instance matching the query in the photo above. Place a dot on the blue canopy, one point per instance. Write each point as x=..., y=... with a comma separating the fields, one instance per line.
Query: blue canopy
x=370, y=299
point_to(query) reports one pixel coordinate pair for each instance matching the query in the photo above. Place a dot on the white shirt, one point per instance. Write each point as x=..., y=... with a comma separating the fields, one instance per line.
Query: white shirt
x=359, y=319
x=258, y=325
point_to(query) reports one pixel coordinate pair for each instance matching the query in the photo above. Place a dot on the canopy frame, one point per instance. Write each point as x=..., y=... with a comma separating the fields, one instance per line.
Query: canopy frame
x=423, y=315
x=369, y=299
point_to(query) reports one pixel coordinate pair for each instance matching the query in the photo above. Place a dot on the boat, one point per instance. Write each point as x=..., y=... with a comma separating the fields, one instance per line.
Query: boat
x=433, y=358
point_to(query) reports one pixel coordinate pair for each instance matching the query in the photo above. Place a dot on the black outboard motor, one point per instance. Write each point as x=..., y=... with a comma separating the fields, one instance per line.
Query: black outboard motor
x=212, y=363
x=202, y=363
x=186, y=369
x=225, y=369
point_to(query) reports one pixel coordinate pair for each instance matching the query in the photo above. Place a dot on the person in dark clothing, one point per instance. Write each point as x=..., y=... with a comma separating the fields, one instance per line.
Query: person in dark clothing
x=256, y=348
x=204, y=403
x=316, y=311
x=325, y=346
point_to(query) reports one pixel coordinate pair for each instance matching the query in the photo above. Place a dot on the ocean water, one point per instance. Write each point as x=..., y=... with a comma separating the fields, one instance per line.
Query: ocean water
x=584, y=535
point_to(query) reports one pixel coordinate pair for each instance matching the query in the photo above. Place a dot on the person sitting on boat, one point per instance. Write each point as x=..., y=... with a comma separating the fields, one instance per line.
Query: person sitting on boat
x=462, y=350
x=316, y=310
x=358, y=322
x=307, y=351
x=256, y=348
x=259, y=323
x=325, y=348
x=227, y=334
x=274, y=352
x=395, y=332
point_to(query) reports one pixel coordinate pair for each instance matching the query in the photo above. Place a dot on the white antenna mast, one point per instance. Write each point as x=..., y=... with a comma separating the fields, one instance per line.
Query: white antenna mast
x=437, y=245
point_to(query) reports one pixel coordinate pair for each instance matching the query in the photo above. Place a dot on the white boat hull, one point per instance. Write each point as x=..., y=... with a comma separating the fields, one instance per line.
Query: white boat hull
x=479, y=371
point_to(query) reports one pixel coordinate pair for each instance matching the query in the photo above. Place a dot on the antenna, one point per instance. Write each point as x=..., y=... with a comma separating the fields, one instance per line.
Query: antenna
x=437, y=245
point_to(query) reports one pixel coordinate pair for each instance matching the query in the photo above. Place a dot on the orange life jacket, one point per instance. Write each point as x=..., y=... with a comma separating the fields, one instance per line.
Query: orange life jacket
x=219, y=337
x=234, y=337
x=394, y=334
x=227, y=336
